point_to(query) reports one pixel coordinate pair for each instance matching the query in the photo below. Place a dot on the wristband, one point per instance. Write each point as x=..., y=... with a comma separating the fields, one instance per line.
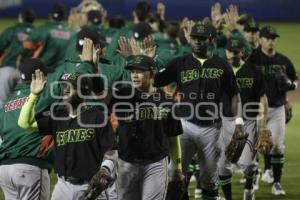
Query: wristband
x=239, y=121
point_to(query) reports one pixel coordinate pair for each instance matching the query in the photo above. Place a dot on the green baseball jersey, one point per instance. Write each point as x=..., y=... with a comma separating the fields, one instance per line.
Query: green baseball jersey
x=20, y=145
x=55, y=38
x=11, y=43
x=113, y=46
x=71, y=48
x=52, y=89
x=109, y=33
x=111, y=72
x=168, y=49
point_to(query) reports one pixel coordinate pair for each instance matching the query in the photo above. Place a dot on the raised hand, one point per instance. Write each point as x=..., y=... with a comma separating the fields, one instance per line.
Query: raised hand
x=38, y=82
x=230, y=21
x=234, y=12
x=216, y=15
x=87, y=50
x=161, y=10
x=149, y=47
x=188, y=30
x=73, y=19
x=136, y=47
x=124, y=47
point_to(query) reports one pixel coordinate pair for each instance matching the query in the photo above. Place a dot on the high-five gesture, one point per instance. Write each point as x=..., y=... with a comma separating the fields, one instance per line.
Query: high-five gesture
x=38, y=82
x=124, y=47
x=161, y=10
x=87, y=50
x=216, y=15
x=188, y=29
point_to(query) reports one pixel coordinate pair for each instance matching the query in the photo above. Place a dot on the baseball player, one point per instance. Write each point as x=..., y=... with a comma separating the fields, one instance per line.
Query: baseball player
x=252, y=92
x=81, y=147
x=140, y=13
x=280, y=77
x=92, y=46
x=11, y=46
x=201, y=80
x=25, y=155
x=146, y=126
x=251, y=33
x=49, y=41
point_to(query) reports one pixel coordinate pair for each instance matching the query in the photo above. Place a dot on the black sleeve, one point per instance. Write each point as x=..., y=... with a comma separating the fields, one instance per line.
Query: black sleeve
x=97, y=84
x=123, y=91
x=166, y=75
x=290, y=70
x=229, y=81
x=44, y=123
x=260, y=85
x=172, y=127
x=107, y=138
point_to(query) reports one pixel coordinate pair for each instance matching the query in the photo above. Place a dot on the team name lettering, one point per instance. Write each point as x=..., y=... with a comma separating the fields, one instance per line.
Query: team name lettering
x=15, y=104
x=206, y=73
x=245, y=82
x=143, y=113
x=272, y=69
x=22, y=36
x=60, y=34
x=74, y=136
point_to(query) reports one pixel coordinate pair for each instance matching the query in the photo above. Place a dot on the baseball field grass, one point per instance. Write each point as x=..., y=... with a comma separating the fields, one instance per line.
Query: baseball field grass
x=288, y=44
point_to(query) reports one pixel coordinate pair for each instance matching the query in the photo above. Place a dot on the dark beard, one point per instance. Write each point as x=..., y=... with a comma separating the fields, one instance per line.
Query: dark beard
x=236, y=62
x=200, y=51
x=75, y=101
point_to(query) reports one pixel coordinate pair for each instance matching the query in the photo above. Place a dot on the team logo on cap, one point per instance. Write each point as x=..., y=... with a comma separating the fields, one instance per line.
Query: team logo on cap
x=234, y=43
x=200, y=29
x=138, y=59
x=272, y=30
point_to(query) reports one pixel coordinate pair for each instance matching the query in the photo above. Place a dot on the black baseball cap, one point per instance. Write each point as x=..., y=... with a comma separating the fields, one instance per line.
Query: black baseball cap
x=28, y=67
x=244, y=18
x=90, y=33
x=141, y=62
x=58, y=11
x=268, y=32
x=94, y=16
x=201, y=30
x=85, y=84
x=234, y=45
x=251, y=26
x=141, y=30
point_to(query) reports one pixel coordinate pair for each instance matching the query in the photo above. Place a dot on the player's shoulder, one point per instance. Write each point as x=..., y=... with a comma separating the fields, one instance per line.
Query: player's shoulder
x=219, y=60
x=282, y=57
x=251, y=68
x=95, y=112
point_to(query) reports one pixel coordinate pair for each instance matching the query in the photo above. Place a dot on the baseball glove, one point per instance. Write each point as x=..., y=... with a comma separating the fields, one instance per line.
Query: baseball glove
x=99, y=182
x=264, y=142
x=236, y=146
x=284, y=84
x=288, y=112
x=177, y=188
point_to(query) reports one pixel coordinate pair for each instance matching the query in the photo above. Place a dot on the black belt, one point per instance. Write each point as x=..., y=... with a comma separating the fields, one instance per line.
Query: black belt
x=205, y=123
x=74, y=180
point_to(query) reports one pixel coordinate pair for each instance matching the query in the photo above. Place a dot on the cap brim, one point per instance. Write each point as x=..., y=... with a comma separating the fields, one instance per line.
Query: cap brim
x=136, y=66
x=198, y=35
x=270, y=36
x=251, y=29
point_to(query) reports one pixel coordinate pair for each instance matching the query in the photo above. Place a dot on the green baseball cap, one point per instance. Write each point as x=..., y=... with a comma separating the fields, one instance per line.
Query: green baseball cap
x=234, y=45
